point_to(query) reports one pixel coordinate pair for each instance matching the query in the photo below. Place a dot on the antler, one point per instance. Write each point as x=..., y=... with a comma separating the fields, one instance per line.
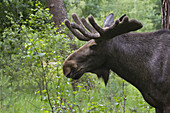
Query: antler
x=123, y=25
x=78, y=25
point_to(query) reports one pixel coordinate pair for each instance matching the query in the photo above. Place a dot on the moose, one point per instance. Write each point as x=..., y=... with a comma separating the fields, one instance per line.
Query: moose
x=142, y=59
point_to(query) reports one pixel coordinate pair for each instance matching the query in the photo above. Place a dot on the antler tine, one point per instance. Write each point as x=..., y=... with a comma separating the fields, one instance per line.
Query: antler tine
x=121, y=18
x=88, y=26
x=120, y=27
x=84, y=32
x=79, y=26
x=77, y=34
x=95, y=25
x=77, y=21
x=132, y=24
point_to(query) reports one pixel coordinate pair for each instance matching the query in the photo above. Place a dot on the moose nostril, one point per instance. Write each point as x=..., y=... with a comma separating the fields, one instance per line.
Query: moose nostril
x=67, y=71
x=68, y=75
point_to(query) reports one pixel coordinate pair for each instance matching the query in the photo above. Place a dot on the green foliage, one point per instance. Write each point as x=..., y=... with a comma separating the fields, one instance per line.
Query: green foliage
x=32, y=54
x=146, y=11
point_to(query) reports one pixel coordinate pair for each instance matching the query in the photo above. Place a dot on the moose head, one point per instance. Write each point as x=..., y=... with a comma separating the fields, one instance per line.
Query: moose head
x=142, y=59
x=92, y=57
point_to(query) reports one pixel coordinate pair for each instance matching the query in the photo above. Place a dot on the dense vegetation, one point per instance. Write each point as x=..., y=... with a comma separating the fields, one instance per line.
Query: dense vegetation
x=32, y=53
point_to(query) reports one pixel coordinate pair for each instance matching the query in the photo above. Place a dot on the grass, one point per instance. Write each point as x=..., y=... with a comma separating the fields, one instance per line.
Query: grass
x=22, y=103
x=99, y=99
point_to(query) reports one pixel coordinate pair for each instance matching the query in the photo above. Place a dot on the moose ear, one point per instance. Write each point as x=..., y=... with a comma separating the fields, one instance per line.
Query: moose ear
x=103, y=73
x=109, y=20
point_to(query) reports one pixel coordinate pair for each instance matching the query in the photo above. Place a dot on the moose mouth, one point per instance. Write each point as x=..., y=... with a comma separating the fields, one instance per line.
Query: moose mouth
x=75, y=75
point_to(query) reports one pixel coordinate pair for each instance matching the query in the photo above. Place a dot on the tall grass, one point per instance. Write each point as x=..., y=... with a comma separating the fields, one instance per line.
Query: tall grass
x=99, y=98
x=19, y=102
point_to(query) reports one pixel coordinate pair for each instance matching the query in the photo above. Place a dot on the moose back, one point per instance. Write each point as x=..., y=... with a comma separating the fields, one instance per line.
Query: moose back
x=143, y=59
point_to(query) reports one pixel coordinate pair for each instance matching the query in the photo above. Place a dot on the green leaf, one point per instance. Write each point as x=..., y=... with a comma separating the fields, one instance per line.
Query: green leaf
x=41, y=54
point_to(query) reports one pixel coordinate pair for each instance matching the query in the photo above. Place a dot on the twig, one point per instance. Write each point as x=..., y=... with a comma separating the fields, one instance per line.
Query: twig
x=79, y=108
x=37, y=107
x=1, y=99
x=67, y=105
x=91, y=110
x=42, y=66
x=124, y=96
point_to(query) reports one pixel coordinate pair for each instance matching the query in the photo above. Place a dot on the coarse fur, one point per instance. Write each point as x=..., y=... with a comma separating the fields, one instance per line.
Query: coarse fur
x=143, y=59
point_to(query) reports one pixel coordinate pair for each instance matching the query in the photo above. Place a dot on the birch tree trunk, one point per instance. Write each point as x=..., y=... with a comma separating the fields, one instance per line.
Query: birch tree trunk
x=165, y=4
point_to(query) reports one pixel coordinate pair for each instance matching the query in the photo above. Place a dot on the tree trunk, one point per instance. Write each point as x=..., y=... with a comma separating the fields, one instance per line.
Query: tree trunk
x=165, y=14
x=58, y=10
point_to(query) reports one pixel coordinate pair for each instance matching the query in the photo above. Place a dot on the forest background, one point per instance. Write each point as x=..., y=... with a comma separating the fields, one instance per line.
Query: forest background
x=33, y=49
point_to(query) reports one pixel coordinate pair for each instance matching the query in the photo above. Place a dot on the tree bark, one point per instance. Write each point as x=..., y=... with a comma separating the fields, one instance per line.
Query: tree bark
x=58, y=10
x=165, y=4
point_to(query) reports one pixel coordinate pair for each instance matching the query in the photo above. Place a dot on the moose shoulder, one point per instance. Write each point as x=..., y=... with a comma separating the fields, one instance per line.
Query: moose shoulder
x=143, y=59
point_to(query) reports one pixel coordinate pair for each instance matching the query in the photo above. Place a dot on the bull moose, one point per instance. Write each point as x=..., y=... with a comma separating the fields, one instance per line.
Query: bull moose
x=142, y=59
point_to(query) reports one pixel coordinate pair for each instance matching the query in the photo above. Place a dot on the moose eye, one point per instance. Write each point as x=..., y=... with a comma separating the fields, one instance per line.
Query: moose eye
x=93, y=46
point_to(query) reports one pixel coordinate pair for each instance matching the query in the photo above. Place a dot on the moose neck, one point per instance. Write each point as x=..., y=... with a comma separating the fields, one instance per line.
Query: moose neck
x=142, y=60
x=129, y=55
